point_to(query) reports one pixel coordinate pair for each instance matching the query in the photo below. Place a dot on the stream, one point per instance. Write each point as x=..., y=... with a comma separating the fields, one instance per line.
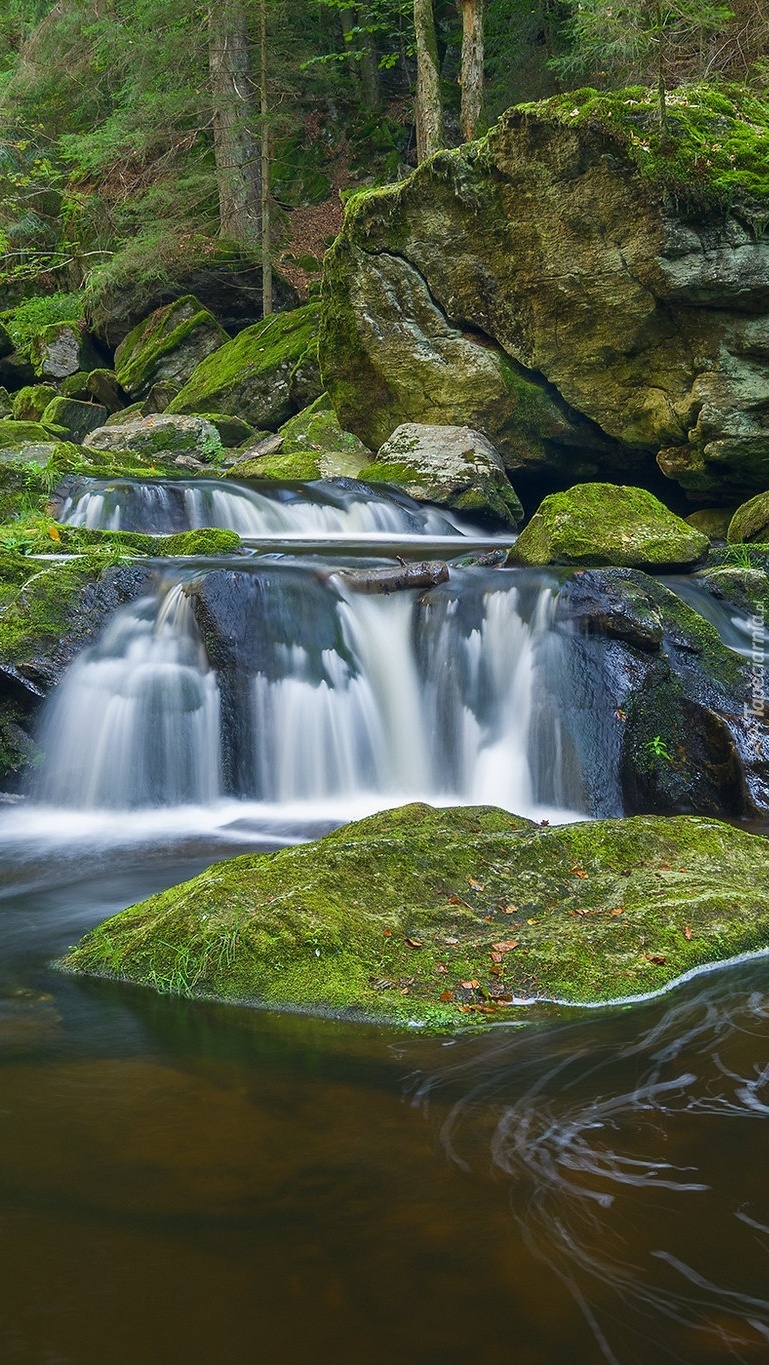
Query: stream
x=183, y=1181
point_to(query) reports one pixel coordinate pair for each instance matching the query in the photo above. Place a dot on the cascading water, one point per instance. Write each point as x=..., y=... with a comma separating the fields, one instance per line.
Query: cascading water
x=136, y=720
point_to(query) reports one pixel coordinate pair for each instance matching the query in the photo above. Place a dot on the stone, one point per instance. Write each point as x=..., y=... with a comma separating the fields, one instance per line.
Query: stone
x=453, y=466
x=711, y=521
x=264, y=375
x=750, y=521
x=15, y=435
x=166, y=347
x=557, y=288
x=74, y=418
x=233, y=431
x=157, y=438
x=601, y=523
x=360, y=924
x=103, y=386
x=30, y=403
x=62, y=349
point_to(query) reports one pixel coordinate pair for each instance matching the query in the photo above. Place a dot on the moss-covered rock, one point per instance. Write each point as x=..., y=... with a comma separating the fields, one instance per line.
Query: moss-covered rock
x=317, y=427
x=615, y=282
x=30, y=403
x=264, y=375
x=600, y=523
x=15, y=435
x=167, y=346
x=62, y=349
x=157, y=438
x=711, y=521
x=6, y=403
x=73, y=417
x=453, y=466
x=40, y=534
x=442, y=917
x=750, y=521
x=102, y=386
x=233, y=431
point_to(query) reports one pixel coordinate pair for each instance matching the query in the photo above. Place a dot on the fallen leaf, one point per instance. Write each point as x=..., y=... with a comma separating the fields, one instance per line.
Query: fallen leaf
x=506, y=946
x=656, y=959
x=477, y=886
x=579, y=872
x=445, y=996
x=53, y=533
x=388, y=933
x=469, y=985
x=496, y=957
x=454, y=900
x=413, y=943
x=508, y=909
x=618, y=910
x=439, y=967
x=532, y=921
x=687, y=932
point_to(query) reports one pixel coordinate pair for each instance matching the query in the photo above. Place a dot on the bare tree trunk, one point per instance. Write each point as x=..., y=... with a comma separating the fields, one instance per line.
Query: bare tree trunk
x=471, y=77
x=265, y=165
x=428, y=110
x=235, y=152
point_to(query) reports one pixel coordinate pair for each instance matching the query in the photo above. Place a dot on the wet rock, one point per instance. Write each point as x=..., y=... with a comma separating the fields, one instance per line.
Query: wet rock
x=448, y=917
x=413, y=575
x=600, y=523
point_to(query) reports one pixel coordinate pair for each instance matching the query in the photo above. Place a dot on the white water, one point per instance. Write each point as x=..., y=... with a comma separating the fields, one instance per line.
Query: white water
x=417, y=700
x=319, y=511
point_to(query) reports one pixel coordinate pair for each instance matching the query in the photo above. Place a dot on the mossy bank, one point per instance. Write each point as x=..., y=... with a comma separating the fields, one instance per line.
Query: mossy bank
x=444, y=918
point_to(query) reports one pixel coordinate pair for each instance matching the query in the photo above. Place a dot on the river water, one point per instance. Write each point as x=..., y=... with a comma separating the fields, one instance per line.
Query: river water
x=184, y=1181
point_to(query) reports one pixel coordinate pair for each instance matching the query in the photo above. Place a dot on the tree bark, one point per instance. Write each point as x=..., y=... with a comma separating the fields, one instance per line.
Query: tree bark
x=236, y=154
x=265, y=164
x=471, y=76
x=428, y=110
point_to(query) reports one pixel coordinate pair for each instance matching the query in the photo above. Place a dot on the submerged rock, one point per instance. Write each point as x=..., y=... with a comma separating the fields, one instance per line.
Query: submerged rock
x=453, y=466
x=448, y=917
x=602, y=524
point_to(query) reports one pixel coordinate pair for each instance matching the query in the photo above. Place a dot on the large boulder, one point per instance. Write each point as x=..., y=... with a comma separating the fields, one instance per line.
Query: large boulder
x=264, y=375
x=161, y=438
x=166, y=347
x=750, y=521
x=440, y=917
x=601, y=523
x=74, y=418
x=586, y=292
x=62, y=349
x=454, y=466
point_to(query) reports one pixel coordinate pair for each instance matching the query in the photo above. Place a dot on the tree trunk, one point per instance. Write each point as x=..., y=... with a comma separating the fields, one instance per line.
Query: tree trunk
x=428, y=110
x=265, y=165
x=471, y=77
x=236, y=155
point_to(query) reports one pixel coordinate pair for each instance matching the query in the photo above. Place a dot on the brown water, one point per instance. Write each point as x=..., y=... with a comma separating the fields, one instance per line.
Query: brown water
x=194, y=1183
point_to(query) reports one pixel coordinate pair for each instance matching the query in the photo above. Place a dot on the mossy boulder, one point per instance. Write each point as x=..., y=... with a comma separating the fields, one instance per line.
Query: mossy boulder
x=167, y=346
x=590, y=293
x=233, y=431
x=15, y=435
x=74, y=417
x=102, y=387
x=601, y=523
x=750, y=521
x=62, y=349
x=157, y=438
x=30, y=403
x=264, y=375
x=453, y=466
x=448, y=917
x=711, y=521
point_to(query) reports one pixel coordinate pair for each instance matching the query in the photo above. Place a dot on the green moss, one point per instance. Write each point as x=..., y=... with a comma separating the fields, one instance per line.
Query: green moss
x=35, y=535
x=36, y=601
x=297, y=467
x=153, y=348
x=254, y=374
x=715, y=147
x=440, y=917
x=603, y=524
x=14, y=435
x=28, y=318
x=30, y=403
x=750, y=521
x=395, y=472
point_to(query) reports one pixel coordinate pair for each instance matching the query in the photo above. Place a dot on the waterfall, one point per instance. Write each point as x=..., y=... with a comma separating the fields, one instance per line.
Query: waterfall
x=135, y=722
x=320, y=510
x=310, y=692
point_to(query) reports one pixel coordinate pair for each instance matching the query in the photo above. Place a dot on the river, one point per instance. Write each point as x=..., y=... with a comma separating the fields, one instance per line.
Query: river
x=193, y=1182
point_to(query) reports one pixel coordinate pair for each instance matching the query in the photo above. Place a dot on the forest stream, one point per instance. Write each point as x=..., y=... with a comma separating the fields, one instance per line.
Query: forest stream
x=187, y=1181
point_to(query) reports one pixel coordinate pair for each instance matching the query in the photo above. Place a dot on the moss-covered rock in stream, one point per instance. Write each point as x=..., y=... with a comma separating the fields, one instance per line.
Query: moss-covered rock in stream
x=448, y=917
x=37, y=535
x=312, y=446
x=453, y=466
x=588, y=291
x=158, y=438
x=167, y=347
x=600, y=523
x=265, y=374
x=667, y=709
